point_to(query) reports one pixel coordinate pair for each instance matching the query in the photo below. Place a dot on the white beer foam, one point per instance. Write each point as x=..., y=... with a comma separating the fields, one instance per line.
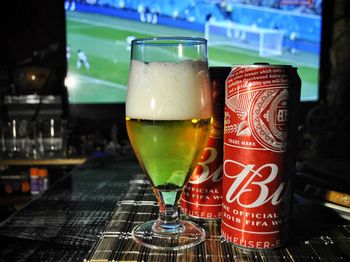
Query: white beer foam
x=169, y=90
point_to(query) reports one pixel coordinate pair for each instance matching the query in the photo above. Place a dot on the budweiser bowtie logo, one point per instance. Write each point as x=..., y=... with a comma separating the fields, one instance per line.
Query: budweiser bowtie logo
x=254, y=180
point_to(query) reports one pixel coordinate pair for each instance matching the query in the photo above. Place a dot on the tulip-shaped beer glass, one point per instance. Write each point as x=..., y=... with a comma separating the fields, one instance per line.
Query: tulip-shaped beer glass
x=168, y=118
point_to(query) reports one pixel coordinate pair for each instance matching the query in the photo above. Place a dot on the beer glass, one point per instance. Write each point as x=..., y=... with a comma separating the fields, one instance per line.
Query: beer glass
x=15, y=137
x=50, y=136
x=168, y=119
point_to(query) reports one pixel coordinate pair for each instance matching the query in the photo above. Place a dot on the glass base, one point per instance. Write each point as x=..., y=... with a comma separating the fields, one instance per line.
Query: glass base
x=189, y=236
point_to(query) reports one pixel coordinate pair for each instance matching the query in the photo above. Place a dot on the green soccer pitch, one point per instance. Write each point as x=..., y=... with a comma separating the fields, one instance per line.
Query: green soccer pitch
x=103, y=40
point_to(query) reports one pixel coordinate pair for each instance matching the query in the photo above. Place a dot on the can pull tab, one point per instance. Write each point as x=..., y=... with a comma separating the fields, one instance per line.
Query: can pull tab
x=261, y=63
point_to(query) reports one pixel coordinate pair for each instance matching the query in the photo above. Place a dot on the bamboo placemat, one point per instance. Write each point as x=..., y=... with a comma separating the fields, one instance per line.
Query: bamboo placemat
x=329, y=242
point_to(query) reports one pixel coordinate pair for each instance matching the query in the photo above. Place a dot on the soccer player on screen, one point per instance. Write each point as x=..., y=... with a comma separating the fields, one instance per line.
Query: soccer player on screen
x=82, y=59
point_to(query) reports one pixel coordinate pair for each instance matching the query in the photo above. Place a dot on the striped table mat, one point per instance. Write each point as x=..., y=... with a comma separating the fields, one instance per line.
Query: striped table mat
x=329, y=243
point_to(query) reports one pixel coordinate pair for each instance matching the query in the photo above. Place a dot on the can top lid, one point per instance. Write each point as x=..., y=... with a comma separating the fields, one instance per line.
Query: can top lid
x=261, y=63
x=268, y=64
x=219, y=72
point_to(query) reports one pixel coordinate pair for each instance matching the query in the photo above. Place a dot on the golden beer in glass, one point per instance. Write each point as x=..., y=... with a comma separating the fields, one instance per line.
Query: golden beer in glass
x=168, y=118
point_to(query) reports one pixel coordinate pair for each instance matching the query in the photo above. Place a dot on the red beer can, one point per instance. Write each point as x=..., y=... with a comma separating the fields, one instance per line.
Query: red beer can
x=202, y=195
x=260, y=131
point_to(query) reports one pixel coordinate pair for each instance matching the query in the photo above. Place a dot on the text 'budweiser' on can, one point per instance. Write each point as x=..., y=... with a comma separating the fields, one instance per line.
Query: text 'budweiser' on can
x=202, y=196
x=260, y=132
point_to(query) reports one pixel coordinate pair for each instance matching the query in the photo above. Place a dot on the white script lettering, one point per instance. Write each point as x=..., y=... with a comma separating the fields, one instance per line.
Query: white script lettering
x=204, y=176
x=246, y=178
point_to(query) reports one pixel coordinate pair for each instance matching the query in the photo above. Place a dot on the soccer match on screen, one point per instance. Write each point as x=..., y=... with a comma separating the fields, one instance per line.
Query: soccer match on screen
x=99, y=35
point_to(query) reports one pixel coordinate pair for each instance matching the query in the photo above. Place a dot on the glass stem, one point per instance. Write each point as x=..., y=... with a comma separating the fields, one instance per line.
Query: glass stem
x=169, y=216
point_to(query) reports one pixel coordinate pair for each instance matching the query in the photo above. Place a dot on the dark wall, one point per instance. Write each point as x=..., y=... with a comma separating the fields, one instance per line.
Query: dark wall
x=33, y=35
x=33, y=27
x=327, y=124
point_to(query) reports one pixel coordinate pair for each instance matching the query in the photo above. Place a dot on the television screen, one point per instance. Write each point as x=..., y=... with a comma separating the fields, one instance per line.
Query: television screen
x=99, y=33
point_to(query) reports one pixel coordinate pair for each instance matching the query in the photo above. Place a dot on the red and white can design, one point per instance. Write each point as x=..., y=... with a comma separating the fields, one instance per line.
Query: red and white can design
x=202, y=195
x=259, y=154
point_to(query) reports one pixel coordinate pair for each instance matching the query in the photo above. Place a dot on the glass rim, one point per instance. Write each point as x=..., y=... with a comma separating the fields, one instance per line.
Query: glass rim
x=169, y=41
